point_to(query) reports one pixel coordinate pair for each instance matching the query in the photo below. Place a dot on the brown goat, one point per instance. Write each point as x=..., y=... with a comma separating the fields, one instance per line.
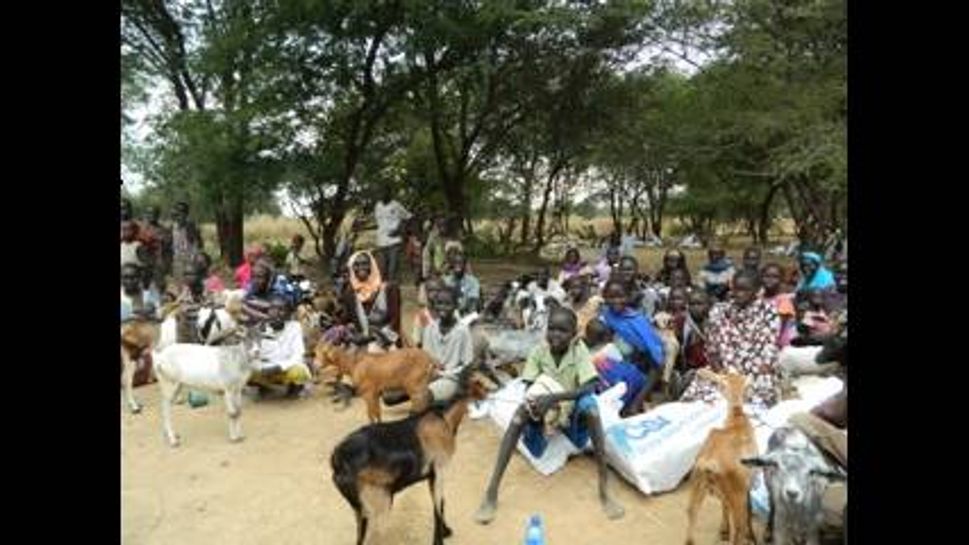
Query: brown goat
x=718, y=469
x=138, y=337
x=379, y=460
x=408, y=369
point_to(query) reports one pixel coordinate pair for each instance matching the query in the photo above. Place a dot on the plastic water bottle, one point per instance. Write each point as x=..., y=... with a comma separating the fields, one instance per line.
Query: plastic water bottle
x=535, y=531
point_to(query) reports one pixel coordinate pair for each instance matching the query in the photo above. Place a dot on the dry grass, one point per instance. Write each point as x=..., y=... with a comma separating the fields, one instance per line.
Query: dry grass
x=267, y=230
x=279, y=229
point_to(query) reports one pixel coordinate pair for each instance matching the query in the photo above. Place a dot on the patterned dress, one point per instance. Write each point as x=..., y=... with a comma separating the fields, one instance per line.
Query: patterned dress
x=743, y=340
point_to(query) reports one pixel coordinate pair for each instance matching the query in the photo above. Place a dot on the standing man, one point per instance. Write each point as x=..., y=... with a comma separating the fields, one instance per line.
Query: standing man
x=390, y=216
x=158, y=239
x=186, y=241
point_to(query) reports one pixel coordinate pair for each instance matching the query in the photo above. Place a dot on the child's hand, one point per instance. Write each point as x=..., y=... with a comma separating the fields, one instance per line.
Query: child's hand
x=540, y=405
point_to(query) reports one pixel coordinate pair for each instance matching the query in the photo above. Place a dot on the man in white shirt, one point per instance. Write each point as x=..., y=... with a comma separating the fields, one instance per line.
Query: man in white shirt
x=389, y=215
x=281, y=353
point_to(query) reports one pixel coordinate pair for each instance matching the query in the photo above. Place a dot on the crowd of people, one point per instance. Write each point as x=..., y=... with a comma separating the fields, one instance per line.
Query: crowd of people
x=597, y=318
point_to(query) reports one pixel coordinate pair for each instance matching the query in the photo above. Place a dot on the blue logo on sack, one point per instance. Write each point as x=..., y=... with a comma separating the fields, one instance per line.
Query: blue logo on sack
x=641, y=429
x=622, y=434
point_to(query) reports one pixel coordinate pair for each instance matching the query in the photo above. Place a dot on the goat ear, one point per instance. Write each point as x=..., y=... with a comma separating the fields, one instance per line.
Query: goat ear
x=829, y=474
x=758, y=461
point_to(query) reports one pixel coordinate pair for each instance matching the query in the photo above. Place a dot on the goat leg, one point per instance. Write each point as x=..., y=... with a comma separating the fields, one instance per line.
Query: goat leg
x=738, y=517
x=127, y=381
x=168, y=393
x=769, y=530
x=697, y=495
x=233, y=407
x=373, y=405
x=361, y=527
x=445, y=529
x=376, y=503
x=432, y=482
x=724, y=522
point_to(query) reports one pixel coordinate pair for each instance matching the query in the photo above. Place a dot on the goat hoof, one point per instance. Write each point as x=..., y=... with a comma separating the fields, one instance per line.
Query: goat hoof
x=135, y=409
x=174, y=442
x=485, y=513
x=613, y=510
x=446, y=532
x=237, y=439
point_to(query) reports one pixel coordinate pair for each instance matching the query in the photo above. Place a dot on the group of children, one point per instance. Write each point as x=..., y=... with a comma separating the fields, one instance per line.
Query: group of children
x=165, y=267
x=597, y=321
x=600, y=330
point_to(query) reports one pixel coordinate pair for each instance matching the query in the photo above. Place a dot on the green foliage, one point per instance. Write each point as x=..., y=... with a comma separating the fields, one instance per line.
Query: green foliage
x=276, y=251
x=493, y=110
x=484, y=245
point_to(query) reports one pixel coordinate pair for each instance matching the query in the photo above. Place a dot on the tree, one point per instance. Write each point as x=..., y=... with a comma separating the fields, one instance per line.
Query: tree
x=489, y=68
x=780, y=96
x=209, y=147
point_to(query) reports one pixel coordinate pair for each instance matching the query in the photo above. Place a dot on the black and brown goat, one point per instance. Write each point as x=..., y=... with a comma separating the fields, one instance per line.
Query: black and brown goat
x=379, y=460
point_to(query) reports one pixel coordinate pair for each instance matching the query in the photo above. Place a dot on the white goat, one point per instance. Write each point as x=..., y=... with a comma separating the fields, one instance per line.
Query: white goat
x=220, y=369
x=795, y=473
x=221, y=323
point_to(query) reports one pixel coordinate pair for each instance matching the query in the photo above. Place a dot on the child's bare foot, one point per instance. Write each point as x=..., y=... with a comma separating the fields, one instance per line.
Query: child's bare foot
x=613, y=510
x=486, y=513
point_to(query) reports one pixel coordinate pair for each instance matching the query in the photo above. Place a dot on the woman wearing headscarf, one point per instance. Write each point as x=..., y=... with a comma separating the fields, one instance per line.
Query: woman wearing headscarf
x=814, y=275
x=374, y=304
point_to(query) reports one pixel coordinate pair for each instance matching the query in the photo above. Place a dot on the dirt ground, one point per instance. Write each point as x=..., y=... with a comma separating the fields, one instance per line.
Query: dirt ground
x=275, y=486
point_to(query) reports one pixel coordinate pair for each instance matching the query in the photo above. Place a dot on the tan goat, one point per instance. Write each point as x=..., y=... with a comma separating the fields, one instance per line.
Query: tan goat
x=408, y=369
x=138, y=338
x=671, y=346
x=718, y=469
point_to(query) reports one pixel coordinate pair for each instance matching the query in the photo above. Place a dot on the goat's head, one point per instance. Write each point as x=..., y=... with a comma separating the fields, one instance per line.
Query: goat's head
x=309, y=317
x=248, y=336
x=308, y=288
x=474, y=384
x=731, y=385
x=330, y=359
x=663, y=320
x=795, y=470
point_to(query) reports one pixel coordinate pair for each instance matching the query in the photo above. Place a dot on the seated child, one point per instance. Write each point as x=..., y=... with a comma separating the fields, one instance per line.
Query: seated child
x=566, y=360
x=612, y=368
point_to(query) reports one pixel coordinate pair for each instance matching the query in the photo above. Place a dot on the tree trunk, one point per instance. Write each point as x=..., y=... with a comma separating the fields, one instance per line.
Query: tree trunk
x=797, y=214
x=750, y=226
x=229, y=220
x=540, y=227
x=657, y=207
x=633, y=225
x=329, y=230
x=764, y=219
x=527, y=208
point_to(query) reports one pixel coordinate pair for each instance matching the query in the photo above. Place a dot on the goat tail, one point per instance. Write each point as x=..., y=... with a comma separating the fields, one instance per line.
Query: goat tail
x=344, y=479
